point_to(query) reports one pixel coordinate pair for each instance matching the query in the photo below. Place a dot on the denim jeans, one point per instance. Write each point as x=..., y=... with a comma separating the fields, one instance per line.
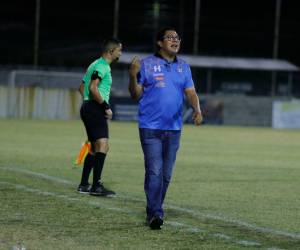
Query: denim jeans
x=160, y=148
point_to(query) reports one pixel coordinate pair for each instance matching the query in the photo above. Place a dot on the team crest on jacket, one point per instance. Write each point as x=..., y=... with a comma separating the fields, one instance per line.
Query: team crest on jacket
x=157, y=68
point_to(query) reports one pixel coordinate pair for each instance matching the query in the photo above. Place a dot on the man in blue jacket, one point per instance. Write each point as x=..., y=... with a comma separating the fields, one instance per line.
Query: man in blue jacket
x=159, y=84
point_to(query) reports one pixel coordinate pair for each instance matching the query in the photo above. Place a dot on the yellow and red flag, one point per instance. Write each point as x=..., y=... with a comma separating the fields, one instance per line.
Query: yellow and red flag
x=85, y=148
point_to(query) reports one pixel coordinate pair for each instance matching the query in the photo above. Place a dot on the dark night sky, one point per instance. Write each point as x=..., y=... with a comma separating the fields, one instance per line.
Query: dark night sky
x=70, y=32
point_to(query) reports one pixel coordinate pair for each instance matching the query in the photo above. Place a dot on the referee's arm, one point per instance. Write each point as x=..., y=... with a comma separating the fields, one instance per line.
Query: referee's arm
x=95, y=81
x=81, y=88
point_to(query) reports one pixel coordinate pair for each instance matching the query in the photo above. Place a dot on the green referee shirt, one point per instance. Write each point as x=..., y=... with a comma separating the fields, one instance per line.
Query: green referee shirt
x=104, y=72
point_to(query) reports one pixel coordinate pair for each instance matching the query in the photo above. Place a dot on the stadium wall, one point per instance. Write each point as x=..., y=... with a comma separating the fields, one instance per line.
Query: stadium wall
x=53, y=95
x=245, y=110
x=41, y=103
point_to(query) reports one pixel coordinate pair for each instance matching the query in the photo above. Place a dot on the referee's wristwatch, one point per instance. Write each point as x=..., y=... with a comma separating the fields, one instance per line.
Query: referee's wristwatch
x=105, y=105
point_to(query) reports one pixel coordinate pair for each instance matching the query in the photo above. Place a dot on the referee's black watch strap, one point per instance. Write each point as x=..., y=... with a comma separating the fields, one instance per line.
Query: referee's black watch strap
x=105, y=105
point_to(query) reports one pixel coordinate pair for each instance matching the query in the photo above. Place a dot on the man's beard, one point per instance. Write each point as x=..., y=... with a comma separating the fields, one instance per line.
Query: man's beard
x=115, y=60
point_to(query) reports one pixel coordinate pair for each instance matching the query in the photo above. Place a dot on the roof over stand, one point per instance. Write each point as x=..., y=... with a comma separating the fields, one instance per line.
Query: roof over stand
x=225, y=62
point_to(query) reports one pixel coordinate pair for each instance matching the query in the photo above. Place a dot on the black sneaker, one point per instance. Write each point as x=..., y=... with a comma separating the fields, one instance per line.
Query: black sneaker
x=84, y=189
x=100, y=190
x=156, y=222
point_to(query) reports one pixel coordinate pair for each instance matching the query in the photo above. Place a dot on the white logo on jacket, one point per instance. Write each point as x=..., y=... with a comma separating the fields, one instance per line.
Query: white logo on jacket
x=157, y=68
x=179, y=69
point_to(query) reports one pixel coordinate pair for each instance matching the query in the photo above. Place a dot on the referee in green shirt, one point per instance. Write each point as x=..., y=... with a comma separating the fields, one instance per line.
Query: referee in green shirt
x=94, y=112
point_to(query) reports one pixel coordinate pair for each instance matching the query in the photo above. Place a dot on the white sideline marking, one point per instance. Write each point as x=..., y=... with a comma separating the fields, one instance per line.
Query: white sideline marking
x=64, y=197
x=220, y=236
x=185, y=227
x=40, y=175
x=249, y=243
x=194, y=213
x=182, y=225
x=233, y=221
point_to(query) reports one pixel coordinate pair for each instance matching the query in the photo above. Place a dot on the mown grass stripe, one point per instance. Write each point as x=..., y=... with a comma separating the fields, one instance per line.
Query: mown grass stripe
x=192, y=212
x=175, y=224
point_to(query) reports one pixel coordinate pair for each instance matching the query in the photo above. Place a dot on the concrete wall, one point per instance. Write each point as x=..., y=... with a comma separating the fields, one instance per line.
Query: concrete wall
x=245, y=110
x=40, y=103
x=35, y=102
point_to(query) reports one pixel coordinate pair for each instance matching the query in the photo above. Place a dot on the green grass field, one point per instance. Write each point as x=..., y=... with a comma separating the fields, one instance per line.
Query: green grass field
x=232, y=188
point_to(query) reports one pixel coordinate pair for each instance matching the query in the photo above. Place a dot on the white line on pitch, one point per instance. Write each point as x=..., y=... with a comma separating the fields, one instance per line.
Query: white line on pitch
x=192, y=212
x=184, y=227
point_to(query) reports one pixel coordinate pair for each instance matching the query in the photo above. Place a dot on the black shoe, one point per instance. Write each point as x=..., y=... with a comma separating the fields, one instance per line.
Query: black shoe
x=84, y=189
x=100, y=190
x=156, y=222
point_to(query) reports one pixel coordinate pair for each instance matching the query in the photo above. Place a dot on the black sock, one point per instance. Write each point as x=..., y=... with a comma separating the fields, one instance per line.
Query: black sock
x=98, y=166
x=87, y=167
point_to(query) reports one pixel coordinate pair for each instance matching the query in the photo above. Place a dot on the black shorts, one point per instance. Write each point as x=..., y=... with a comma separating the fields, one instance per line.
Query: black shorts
x=93, y=116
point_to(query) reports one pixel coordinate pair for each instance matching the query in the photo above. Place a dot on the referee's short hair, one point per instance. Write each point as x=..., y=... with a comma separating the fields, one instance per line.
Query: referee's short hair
x=110, y=43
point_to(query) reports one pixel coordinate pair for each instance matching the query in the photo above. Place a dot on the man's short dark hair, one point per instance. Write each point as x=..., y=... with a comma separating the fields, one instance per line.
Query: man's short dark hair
x=160, y=35
x=110, y=43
